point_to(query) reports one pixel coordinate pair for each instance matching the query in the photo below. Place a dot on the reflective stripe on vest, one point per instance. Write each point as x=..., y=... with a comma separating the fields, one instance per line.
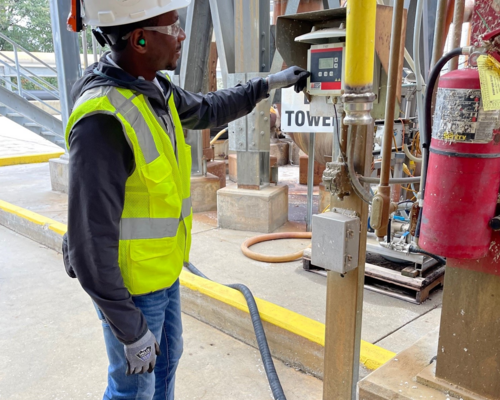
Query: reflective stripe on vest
x=153, y=228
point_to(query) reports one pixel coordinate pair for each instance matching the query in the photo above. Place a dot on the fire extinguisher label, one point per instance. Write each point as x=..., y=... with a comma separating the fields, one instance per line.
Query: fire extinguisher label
x=460, y=117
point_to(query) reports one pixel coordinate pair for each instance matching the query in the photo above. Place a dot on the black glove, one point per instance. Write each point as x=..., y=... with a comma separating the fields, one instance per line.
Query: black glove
x=141, y=355
x=293, y=76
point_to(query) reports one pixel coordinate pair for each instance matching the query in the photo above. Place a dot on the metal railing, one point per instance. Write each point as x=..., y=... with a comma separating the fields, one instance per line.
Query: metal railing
x=39, y=83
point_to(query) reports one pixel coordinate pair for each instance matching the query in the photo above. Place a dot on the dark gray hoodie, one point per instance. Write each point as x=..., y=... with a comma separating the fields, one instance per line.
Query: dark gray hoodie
x=101, y=162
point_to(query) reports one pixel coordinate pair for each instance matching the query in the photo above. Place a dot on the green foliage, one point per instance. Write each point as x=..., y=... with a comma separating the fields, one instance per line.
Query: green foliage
x=27, y=22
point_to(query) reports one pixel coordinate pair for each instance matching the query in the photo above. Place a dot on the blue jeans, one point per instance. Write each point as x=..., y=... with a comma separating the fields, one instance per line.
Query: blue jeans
x=162, y=310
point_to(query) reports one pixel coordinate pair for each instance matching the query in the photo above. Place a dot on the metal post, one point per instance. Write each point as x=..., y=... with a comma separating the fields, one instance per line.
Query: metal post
x=85, y=49
x=344, y=305
x=94, y=48
x=67, y=54
x=310, y=181
x=223, y=22
x=18, y=73
x=382, y=200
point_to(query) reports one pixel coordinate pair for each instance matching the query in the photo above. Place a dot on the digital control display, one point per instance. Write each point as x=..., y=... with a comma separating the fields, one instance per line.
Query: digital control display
x=326, y=63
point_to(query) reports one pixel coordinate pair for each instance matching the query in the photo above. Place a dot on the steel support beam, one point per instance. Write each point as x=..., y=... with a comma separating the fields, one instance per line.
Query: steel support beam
x=67, y=52
x=194, y=66
x=223, y=22
x=265, y=35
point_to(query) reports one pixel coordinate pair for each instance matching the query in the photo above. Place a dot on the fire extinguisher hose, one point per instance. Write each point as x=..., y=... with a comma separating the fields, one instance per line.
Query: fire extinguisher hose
x=427, y=123
x=427, y=120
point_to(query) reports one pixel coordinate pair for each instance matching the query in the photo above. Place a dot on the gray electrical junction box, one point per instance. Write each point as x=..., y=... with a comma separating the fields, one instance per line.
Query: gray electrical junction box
x=335, y=242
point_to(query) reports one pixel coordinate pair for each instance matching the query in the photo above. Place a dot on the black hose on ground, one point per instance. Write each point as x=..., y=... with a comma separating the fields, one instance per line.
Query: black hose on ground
x=427, y=136
x=260, y=335
x=441, y=261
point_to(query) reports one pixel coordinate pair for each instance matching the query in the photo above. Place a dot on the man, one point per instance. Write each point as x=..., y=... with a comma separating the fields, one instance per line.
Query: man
x=129, y=215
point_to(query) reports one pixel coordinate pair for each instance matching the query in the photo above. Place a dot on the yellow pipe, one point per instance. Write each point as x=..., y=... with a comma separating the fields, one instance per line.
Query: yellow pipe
x=212, y=142
x=360, y=45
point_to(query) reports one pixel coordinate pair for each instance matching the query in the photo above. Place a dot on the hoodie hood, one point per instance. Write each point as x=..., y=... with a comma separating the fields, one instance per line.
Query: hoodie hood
x=103, y=73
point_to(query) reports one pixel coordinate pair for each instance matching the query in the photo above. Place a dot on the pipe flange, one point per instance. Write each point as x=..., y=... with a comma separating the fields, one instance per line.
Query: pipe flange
x=358, y=108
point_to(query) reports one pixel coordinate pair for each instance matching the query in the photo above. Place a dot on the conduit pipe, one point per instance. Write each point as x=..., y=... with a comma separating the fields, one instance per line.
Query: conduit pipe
x=382, y=200
x=419, y=78
x=360, y=190
x=401, y=181
x=212, y=142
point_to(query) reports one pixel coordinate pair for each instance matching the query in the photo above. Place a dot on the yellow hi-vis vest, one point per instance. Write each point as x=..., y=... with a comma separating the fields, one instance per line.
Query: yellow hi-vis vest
x=155, y=226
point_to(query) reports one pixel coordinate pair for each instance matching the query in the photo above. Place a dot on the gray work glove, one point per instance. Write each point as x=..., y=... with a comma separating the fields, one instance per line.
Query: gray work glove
x=293, y=76
x=141, y=355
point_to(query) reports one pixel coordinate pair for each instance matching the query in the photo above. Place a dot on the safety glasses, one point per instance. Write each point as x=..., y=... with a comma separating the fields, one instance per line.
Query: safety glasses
x=172, y=30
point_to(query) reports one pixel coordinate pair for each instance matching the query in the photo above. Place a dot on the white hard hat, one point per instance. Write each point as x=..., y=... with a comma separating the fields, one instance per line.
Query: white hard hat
x=121, y=12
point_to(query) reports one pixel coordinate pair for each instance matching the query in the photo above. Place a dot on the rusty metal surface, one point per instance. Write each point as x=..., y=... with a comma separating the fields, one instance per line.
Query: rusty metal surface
x=484, y=18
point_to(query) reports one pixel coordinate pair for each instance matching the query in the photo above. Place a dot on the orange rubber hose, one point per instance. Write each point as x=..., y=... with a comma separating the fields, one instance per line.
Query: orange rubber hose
x=273, y=236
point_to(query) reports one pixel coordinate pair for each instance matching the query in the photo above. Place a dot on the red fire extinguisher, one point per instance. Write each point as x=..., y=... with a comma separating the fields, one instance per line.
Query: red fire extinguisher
x=463, y=170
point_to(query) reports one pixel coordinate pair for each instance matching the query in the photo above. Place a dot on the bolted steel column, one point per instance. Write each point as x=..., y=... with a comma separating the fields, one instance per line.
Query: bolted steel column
x=67, y=52
x=251, y=134
x=194, y=66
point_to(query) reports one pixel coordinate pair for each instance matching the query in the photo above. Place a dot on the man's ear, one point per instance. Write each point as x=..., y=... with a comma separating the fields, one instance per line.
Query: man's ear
x=137, y=41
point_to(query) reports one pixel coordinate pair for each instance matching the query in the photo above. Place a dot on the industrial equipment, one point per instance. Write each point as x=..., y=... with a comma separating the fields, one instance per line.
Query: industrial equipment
x=325, y=61
x=463, y=178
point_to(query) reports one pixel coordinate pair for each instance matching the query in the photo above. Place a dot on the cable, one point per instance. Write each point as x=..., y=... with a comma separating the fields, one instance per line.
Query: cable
x=356, y=185
x=439, y=259
x=337, y=129
x=260, y=334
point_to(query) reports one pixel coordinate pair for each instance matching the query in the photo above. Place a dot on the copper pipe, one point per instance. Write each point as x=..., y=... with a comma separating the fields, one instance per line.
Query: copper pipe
x=439, y=38
x=458, y=20
x=274, y=236
x=392, y=85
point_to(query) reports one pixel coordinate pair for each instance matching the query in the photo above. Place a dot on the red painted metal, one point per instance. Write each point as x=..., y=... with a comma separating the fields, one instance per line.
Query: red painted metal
x=331, y=85
x=484, y=18
x=461, y=192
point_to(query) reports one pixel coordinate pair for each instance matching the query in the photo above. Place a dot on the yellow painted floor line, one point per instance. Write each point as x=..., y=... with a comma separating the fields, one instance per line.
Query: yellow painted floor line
x=372, y=356
x=29, y=158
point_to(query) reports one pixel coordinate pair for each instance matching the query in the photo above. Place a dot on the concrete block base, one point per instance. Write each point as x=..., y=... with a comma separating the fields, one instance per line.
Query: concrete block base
x=59, y=169
x=280, y=151
x=204, y=192
x=233, y=166
x=253, y=210
x=218, y=168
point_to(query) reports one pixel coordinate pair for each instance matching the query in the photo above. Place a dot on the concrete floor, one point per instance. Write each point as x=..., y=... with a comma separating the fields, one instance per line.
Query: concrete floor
x=53, y=347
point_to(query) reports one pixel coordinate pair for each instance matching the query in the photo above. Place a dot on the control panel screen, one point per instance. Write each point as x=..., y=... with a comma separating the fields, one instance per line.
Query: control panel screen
x=326, y=63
